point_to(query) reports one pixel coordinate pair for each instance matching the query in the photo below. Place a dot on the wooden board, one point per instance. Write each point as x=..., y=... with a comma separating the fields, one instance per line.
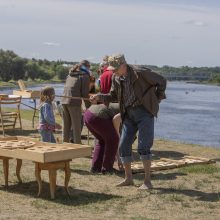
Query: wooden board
x=46, y=152
x=3, y=95
x=16, y=144
x=27, y=93
x=21, y=85
x=165, y=163
x=54, y=152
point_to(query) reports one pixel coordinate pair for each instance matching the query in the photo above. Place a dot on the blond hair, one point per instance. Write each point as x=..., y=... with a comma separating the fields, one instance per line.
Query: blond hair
x=46, y=94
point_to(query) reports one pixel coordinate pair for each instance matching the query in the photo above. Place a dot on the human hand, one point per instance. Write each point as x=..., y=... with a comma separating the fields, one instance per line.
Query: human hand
x=94, y=99
x=58, y=126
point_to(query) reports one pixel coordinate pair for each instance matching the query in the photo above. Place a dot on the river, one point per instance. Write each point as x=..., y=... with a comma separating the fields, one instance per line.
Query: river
x=190, y=114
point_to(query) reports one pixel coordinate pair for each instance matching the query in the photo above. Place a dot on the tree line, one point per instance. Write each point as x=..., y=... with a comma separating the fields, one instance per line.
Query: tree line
x=14, y=67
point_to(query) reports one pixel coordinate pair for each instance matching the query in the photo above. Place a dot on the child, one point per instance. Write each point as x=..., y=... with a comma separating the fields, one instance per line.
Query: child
x=47, y=124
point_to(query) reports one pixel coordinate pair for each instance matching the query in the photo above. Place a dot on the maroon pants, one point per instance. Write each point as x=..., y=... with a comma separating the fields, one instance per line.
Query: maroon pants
x=106, y=144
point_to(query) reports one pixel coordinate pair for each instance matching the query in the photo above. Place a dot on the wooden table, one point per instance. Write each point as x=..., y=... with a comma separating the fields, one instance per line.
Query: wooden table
x=46, y=156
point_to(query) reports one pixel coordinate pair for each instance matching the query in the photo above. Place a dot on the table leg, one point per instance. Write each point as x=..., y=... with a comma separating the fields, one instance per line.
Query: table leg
x=34, y=115
x=67, y=176
x=6, y=167
x=18, y=170
x=88, y=137
x=52, y=177
x=38, y=178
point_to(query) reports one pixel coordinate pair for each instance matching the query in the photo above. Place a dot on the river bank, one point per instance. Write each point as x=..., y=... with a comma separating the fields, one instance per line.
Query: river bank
x=14, y=84
x=185, y=193
x=204, y=83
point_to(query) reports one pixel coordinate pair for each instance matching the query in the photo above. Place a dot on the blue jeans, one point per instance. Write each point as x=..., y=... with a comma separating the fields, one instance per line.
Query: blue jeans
x=47, y=136
x=136, y=119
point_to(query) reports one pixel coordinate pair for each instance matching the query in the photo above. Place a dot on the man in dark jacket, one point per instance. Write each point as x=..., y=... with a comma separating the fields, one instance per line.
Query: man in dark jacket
x=139, y=92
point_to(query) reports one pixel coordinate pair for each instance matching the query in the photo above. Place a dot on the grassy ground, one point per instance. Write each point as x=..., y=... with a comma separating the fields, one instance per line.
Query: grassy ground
x=186, y=193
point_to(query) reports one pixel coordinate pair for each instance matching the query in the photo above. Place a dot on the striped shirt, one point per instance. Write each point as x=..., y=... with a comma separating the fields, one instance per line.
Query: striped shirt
x=129, y=98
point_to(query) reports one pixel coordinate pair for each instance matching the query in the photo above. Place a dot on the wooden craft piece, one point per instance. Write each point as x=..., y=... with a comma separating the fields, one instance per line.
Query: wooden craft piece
x=21, y=85
x=15, y=144
x=27, y=94
x=166, y=163
x=44, y=152
x=24, y=93
x=3, y=95
x=46, y=156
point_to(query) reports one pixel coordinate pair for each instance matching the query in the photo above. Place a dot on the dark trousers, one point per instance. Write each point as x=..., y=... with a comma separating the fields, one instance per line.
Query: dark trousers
x=107, y=141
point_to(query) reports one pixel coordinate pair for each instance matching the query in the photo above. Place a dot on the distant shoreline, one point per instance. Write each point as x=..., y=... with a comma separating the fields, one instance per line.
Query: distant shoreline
x=14, y=85
x=203, y=83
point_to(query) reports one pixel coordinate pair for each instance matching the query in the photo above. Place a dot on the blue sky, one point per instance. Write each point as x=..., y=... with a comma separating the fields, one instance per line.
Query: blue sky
x=154, y=32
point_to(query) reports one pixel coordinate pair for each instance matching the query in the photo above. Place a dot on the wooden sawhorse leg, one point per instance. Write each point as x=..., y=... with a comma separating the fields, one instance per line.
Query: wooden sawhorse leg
x=18, y=170
x=52, y=171
x=6, y=169
x=38, y=178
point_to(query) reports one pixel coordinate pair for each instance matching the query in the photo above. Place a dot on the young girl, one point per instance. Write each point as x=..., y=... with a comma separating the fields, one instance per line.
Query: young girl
x=47, y=124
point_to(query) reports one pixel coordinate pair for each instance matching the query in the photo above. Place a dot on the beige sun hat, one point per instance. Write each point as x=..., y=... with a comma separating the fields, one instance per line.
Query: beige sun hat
x=115, y=61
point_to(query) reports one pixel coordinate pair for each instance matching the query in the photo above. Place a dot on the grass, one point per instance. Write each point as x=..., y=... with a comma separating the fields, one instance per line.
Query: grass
x=25, y=114
x=200, y=169
x=188, y=192
x=8, y=84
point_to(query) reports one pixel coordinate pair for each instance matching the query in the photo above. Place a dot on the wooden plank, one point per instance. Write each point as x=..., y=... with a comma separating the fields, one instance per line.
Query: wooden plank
x=3, y=95
x=47, y=152
x=27, y=93
x=67, y=154
x=27, y=155
x=10, y=138
x=21, y=85
x=166, y=163
x=21, y=138
x=53, y=165
x=2, y=158
x=197, y=158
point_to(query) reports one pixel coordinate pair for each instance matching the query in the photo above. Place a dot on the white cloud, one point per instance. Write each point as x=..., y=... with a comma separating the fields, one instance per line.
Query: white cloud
x=52, y=44
x=196, y=23
x=90, y=58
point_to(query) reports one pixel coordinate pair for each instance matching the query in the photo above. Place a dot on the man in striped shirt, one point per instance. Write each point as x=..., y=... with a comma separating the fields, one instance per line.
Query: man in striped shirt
x=138, y=91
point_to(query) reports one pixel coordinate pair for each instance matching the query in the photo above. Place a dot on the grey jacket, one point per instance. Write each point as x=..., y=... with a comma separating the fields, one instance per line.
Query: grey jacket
x=77, y=85
x=103, y=111
x=149, y=88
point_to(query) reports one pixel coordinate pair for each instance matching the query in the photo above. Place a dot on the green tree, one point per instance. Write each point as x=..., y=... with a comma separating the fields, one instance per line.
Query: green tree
x=6, y=64
x=18, y=68
x=32, y=70
x=62, y=72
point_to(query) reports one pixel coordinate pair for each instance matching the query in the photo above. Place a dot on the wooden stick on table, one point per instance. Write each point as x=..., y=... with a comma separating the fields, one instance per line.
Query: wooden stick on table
x=72, y=97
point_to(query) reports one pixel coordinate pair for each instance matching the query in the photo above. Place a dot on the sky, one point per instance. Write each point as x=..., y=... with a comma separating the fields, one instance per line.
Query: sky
x=152, y=32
